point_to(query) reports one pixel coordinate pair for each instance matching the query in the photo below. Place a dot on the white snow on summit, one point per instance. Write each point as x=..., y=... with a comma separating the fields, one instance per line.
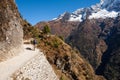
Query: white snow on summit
x=101, y=1
x=104, y=9
x=74, y=18
x=111, y=5
x=103, y=14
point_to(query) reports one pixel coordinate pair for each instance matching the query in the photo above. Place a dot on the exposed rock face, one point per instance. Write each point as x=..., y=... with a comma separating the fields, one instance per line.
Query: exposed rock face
x=86, y=40
x=65, y=16
x=90, y=39
x=99, y=42
x=11, y=33
x=111, y=59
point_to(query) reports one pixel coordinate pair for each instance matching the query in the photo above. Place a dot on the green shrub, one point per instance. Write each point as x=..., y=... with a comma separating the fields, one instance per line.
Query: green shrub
x=62, y=78
x=35, y=32
x=27, y=79
x=61, y=37
x=47, y=43
x=56, y=44
x=46, y=29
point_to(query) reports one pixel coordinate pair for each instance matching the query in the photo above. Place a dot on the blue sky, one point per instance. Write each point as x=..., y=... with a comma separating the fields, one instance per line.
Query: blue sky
x=35, y=11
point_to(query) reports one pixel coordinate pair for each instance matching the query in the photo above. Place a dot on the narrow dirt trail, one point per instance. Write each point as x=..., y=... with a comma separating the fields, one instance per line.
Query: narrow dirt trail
x=10, y=66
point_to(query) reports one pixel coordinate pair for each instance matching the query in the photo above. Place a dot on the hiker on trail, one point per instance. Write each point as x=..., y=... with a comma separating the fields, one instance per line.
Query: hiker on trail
x=34, y=44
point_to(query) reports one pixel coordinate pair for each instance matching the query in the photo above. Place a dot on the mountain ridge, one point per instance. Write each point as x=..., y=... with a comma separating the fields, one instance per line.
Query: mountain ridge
x=95, y=35
x=104, y=8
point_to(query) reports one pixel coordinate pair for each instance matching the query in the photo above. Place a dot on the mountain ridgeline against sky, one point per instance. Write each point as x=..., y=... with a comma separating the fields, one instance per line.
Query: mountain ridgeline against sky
x=106, y=8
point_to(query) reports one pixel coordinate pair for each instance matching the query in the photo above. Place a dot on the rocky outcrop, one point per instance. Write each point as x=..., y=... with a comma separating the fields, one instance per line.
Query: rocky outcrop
x=11, y=33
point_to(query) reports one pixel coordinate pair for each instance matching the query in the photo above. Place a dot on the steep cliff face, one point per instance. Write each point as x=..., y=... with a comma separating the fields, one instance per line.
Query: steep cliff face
x=10, y=29
x=111, y=59
x=99, y=42
x=86, y=40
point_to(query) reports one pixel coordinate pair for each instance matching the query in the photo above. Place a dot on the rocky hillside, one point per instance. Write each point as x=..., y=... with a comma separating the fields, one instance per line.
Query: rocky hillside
x=90, y=39
x=67, y=63
x=98, y=41
x=60, y=27
x=11, y=44
x=96, y=36
x=10, y=28
x=111, y=58
x=29, y=31
x=86, y=40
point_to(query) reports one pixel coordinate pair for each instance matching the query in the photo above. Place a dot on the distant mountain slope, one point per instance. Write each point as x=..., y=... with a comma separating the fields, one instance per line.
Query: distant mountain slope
x=61, y=27
x=111, y=58
x=62, y=24
x=86, y=39
x=98, y=41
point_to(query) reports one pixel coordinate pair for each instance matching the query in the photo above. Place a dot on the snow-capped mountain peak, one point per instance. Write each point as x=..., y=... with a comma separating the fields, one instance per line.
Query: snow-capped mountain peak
x=108, y=8
x=111, y=5
x=64, y=16
x=101, y=1
x=104, y=9
x=103, y=14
